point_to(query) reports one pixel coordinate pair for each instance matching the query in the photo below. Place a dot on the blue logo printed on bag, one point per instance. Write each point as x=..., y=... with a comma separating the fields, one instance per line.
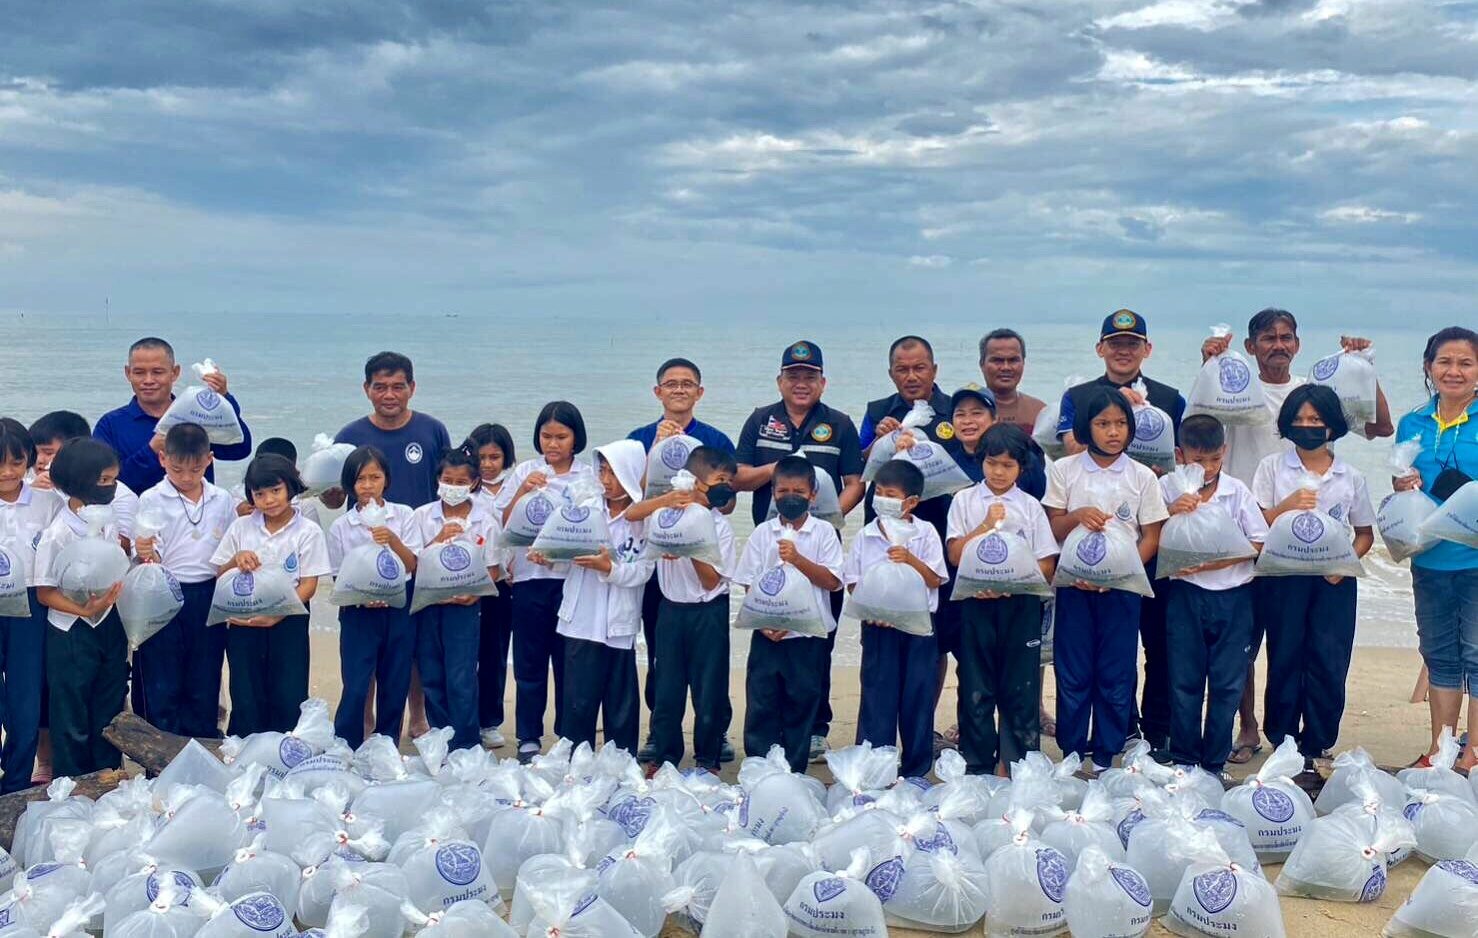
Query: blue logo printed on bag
x=1126, y=826
x=538, y=510
x=941, y=841
x=1375, y=886
x=827, y=889
x=1211, y=814
x=674, y=454
x=184, y=883
x=386, y=565
x=1051, y=872
x=42, y=869
x=260, y=912
x=1273, y=805
x=1133, y=884
x=921, y=451
x=454, y=557
x=175, y=589
x=208, y=399
x=293, y=751
x=458, y=864
x=1093, y=548
x=1215, y=890
x=4, y=563
x=632, y=814
x=574, y=514
x=1464, y=868
x=583, y=904
x=1235, y=376
x=991, y=549
x=1412, y=811
x=1148, y=424
x=243, y=584
x=1307, y=527
x=884, y=878
x=1325, y=368
x=668, y=517
x=772, y=582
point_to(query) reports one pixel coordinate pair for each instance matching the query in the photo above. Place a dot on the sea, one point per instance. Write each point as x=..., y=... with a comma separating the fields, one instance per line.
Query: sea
x=299, y=375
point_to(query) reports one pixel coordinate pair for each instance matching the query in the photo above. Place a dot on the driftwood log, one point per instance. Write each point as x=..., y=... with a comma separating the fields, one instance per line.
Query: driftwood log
x=150, y=748
x=12, y=806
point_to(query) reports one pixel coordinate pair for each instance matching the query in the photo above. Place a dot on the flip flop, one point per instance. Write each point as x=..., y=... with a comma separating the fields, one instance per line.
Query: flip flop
x=1244, y=754
x=1049, y=729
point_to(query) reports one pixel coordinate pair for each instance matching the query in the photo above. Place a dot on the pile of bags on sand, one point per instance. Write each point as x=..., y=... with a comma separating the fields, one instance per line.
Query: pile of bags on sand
x=295, y=834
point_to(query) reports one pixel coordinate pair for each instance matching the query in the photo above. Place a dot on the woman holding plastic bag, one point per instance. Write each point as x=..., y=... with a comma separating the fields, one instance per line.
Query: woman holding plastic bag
x=1444, y=578
x=1311, y=499
x=1107, y=510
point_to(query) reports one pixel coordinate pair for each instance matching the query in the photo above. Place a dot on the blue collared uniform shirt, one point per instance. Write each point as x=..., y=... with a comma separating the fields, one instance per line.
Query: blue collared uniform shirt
x=128, y=430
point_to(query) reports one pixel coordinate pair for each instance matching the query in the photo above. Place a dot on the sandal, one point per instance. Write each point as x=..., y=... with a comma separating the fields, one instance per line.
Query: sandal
x=1049, y=729
x=1466, y=762
x=1244, y=754
x=1421, y=762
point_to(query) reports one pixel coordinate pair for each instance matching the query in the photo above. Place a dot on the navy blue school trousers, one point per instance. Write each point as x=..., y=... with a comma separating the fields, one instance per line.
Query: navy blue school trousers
x=1208, y=637
x=87, y=680
x=1000, y=669
x=537, y=647
x=495, y=619
x=269, y=675
x=22, y=668
x=177, y=672
x=447, y=638
x=900, y=673
x=378, y=645
x=1310, y=626
x=693, y=648
x=782, y=686
x=1096, y=660
x=601, y=687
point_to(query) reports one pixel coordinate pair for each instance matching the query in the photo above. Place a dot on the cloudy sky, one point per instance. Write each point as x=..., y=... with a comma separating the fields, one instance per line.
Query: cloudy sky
x=668, y=157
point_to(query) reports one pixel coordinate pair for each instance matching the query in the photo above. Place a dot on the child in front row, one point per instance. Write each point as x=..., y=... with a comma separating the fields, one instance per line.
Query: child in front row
x=1000, y=634
x=281, y=446
x=899, y=670
x=269, y=656
x=1208, y=613
x=783, y=677
x=495, y=460
x=448, y=633
x=376, y=641
x=600, y=614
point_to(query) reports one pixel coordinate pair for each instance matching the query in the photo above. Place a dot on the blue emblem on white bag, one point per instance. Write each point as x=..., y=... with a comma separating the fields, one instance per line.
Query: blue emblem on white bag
x=208, y=399
x=243, y=585
x=1133, y=884
x=293, y=751
x=1307, y=527
x=182, y=881
x=1149, y=423
x=574, y=514
x=828, y=889
x=458, y=864
x=1126, y=826
x=1375, y=886
x=538, y=509
x=991, y=549
x=1412, y=811
x=674, y=454
x=772, y=582
x=1325, y=368
x=1235, y=376
x=386, y=565
x=1273, y=805
x=1211, y=814
x=668, y=517
x=941, y=842
x=920, y=451
x=175, y=589
x=884, y=878
x=1215, y=890
x=1051, y=872
x=1464, y=868
x=42, y=869
x=4, y=563
x=1093, y=548
x=455, y=558
x=632, y=814
x=259, y=912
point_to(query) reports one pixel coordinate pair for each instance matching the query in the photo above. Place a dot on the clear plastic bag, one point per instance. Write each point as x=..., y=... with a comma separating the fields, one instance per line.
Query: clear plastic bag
x=1446, y=825
x=1025, y=884
x=91, y=565
x=885, y=447
x=637, y=881
x=1349, y=769
x=1308, y=543
x=1044, y=429
x=45, y=890
x=827, y=904
x=666, y=459
x=1105, y=899
x=999, y=561
x=827, y=506
x=1107, y=558
x=862, y=773
x=169, y=887
x=324, y=467
x=1444, y=904
x=205, y=408
x=1218, y=897
x=442, y=867
x=942, y=475
x=1351, y=375
x=1343, y=856
x=255, y=869
x=1456, y=519
x=1402, y=514
x=892, y=593
x=551, y=879
x=781, y=598
x=370, y=573
x=467, y=919
x=71, y=923
x=578, y=528
x=151, y=597
x=1274, y=810
x=743, y=906
x=379, y=888
x=1154, y=434
x=255, y=915
x=683, y=532
x=515, y=835
x=15, y=603
x=1228, y=388
x=1161, y=847
x=1091, y=825
x=777, y=807
x=32, y=841
x=939, y=892
x=263, y=592
x=1439, y=775
x=448, y=570
x=200, y=831
x=280, y=752
x=1209, y=534
x=527, y=517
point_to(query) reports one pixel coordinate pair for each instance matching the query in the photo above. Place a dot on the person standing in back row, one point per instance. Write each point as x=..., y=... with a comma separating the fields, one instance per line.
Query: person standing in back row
x=1002, y=365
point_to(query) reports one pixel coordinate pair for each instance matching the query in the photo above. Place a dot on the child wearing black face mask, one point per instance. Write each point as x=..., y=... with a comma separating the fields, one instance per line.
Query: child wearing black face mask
x=1310, y=620
x=86, y=650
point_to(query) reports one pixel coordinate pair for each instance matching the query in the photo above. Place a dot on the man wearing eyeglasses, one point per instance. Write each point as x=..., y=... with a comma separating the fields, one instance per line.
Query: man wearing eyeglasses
x=680, y=387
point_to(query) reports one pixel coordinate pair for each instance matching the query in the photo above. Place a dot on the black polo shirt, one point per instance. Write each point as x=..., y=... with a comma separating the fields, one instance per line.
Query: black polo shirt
x=1161, y=395
x=935, y=511
x=827, y=438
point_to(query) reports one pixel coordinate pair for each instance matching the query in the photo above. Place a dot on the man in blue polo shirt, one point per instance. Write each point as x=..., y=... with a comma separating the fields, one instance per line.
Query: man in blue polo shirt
x=152, y=372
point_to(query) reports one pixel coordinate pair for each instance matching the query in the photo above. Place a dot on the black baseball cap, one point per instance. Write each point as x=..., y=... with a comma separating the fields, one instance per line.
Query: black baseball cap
x=1124, y=322
x=983, y=395
x=802, y=354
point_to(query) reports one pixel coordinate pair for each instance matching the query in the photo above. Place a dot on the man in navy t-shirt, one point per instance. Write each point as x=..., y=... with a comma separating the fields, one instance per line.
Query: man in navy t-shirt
x=412, y=442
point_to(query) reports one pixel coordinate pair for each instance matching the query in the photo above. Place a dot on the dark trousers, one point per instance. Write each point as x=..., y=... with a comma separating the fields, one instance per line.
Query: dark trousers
x=899, y=675
x=651, y=605
x=1095, y=658
x=87, y=670
x=378, y=645
x=447, y=637
x=693, y=646
x=22, y=665
x=495, y=618
x=1000, y=667
x=177, y=672
x=1311, y=634
x=1154, y=700
x=601, y=681
x=536, y=648
x=269, y=675
x=782, y=684
x=1208, y=637
x=821, y=725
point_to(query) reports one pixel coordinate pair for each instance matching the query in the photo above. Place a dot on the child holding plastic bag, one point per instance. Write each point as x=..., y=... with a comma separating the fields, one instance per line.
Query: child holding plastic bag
x=1310, y=619
x=458, y=528
x=1096, y=646
x=376, y=640
x=1000, y=631
x=899, y=668
x=1208, y=616
x=600, y=612
x=86, y=650
x=783, y=674
x=493, y=445
x=538, y=583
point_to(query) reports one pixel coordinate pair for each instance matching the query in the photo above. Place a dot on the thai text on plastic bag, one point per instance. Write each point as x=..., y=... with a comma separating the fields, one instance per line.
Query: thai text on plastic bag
x=1219, y=897
x=1445, y=902
x=1228, y=388
x=1343, y=856
x=449, y=570
x=777, y=805
x=263, y=592
x=891, y=593
x=781, y=598
x=1351, y=375
x=1025, y=884
x=1044, y=429
x=1104, y=899
x=578, y=527
x=204, y=407
x=1154, y=434
x=683, y=532
x=1456, y=519
x=91, y=565
x=324, y=467
x=150, y=598
x=666, y=459
x=1108, y=559
x=826, y=505
x=1207, y=534
x=1274, y=809
x=886, y=446
x=370, y=573
x=826, y=904
x=999, y=561
x=1401, y=514
x=1308, y=543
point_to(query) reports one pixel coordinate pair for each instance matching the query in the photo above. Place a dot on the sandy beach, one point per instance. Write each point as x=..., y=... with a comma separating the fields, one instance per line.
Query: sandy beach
x=1378, y=717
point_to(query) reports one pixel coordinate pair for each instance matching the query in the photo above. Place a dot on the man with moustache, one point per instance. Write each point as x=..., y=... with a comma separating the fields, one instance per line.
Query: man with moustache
x=1002, y=365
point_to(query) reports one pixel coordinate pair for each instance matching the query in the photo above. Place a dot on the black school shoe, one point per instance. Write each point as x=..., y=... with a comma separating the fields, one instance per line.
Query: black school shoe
x=526, y=752
x=648, y=752
x=726, y=752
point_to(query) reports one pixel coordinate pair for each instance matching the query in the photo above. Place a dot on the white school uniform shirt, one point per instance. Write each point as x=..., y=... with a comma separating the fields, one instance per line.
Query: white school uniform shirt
x=25, y=519
x=125, y=507
x=1124, y=488
x=482, y=526
x=1025, y=517
x=65, y=528
x=1342, y=492
x=870, y=548
x=1234, y=496
x=519, y=564
x=678, y=579
x=192, y=530
x=606, y=607
x=349, y=531
x=816, y=540
x=1248, y=446
x=298, y=548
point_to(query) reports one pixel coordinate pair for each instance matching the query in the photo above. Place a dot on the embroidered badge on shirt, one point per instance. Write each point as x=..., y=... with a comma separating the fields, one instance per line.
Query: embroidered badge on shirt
x=944, y=431
x=775, y=429
x=821, y=433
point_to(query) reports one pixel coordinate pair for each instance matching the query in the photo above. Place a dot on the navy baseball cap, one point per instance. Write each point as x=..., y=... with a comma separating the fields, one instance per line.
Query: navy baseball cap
x=802, y=354
x=1124, y=322
x=983, y=395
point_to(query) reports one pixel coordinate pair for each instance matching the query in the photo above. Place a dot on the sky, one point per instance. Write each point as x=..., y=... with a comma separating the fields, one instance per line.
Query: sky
x=686, y=160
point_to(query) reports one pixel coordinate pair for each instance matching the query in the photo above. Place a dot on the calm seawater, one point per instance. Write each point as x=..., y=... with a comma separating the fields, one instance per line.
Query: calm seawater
x=297, y=376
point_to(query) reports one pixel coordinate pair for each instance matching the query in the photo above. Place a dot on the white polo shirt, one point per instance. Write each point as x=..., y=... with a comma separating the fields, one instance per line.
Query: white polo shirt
x=1236, y=498
x=191, y=530
x=1024, y=517
x=65, y=528
x=482, y=526
x=870, y=548
x=679, y=581
x=518, y=562
x=298, y=548
x=1342, y=492
x=23, y=520
x=816, y=540
x=606, y=607
x=1126, y=489
x=1248, y=446
x=125, y=506
x=349, y=531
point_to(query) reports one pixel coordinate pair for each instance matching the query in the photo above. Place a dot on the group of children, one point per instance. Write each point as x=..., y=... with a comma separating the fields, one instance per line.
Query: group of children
x=580, y=618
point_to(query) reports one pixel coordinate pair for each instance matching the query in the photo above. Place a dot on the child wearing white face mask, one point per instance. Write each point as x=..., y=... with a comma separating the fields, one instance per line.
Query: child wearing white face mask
x=447, y=634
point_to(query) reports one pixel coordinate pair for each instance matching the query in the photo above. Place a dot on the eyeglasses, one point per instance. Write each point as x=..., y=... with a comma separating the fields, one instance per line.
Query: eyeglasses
x=679, y=385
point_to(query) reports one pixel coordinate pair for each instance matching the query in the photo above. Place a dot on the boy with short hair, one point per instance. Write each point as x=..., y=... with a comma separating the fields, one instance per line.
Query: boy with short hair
x=1209, y=610
x=53, y=429
x=899, y=670
x=783, y=678
x=177, y=672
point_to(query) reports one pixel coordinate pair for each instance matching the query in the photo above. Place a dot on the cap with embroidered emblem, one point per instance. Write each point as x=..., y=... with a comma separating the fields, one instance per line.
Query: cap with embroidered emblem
x=1124, y=322
x=973, y=390
x=801, y=355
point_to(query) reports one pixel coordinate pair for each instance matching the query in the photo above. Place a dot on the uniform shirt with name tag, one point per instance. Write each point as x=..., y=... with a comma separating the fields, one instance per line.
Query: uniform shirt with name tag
x=1024, y=517
x=23, y=520
x=606, y=607
x=191, y=530
x=298, y=548
x=815, y=540
x=870, y=548
x=65, y=528
x=350, y=531
x=1237, y=499
x=1342, y=494
x=1124, y=488
x=827, y=438
x=518, y=562
x=678, y=579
